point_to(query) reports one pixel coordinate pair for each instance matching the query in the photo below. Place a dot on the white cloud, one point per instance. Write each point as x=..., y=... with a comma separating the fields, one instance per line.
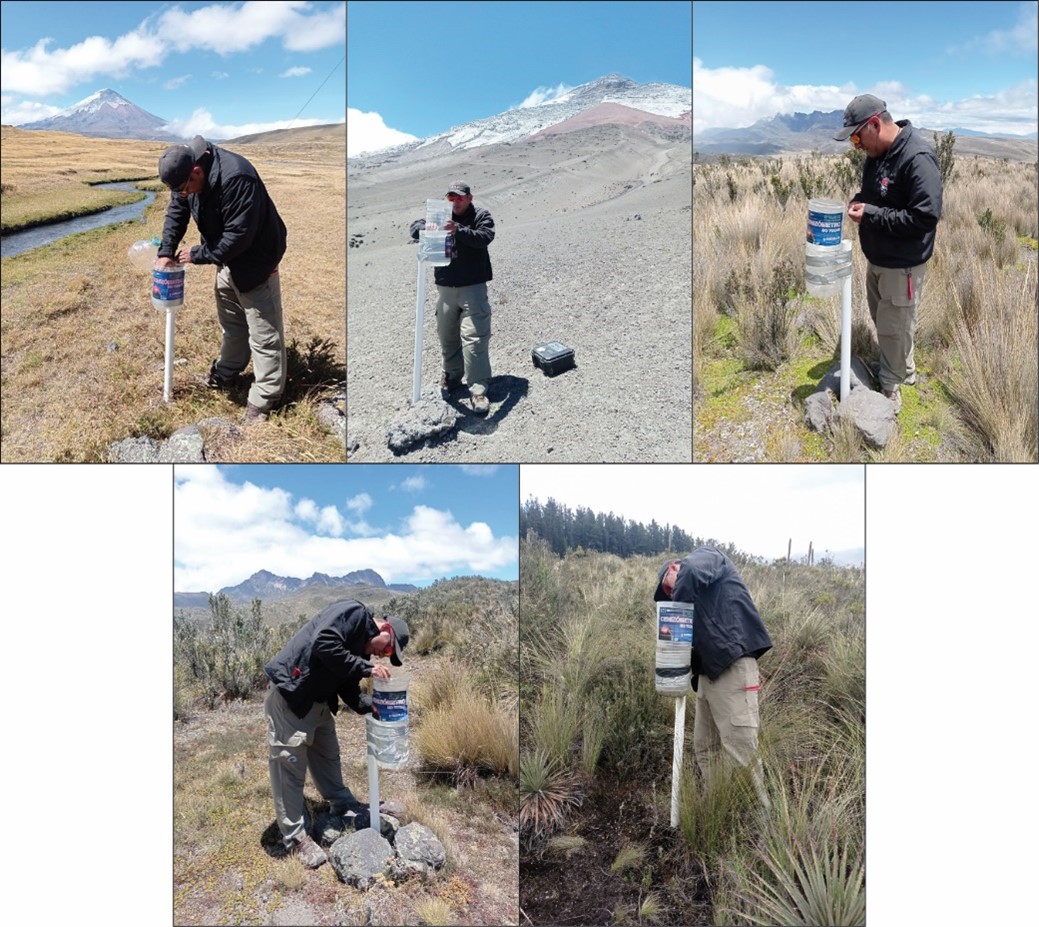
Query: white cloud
x=543, y=95
x=367, y=132
x=1019, y=39
x=221, y=28
x=295, y=72
x=739, y=97
x=225, y=532
x=15, y=112
x=177, y=82
x=201, y=122
x=480, y=469
x=414, y=484
x=220, y=75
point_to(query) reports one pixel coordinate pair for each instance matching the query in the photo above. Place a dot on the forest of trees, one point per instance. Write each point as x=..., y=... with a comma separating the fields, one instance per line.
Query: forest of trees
x=566, y=529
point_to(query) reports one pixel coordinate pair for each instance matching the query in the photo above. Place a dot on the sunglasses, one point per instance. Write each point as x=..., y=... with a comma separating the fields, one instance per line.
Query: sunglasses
x=455, y=196
x=856, y=136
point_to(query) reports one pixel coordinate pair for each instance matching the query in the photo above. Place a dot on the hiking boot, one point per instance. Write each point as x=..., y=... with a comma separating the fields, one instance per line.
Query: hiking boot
x=309, y=853
x=448, y=385
x=215, y=381
x=911, y=379
x=895, y=395
x=481, y=405
x=254, y=414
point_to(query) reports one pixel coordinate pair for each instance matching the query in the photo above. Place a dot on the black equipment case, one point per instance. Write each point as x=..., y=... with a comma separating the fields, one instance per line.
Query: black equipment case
x=553, y=357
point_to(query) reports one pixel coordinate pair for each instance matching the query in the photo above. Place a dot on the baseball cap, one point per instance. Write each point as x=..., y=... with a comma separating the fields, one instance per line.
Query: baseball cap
x=659, y=595
x=401, y=635
x=460, y=187
x=858, y=111
x=176, y=162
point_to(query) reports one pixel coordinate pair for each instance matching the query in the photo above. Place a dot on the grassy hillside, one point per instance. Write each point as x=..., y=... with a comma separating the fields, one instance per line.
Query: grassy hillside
x=761, y=344
x=83, y=348
x=595, y=774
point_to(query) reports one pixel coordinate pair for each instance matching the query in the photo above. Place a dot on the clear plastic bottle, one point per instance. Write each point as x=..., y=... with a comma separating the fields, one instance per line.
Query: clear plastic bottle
x=143, y=254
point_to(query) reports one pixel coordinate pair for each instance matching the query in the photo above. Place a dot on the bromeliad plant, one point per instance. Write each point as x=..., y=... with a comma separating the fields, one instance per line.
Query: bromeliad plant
x=548, y=793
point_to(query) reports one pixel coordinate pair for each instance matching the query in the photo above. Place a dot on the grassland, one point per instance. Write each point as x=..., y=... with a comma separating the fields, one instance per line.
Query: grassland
x=83, y=349
x=460, y=780
x=596, y=752
x=761, y=343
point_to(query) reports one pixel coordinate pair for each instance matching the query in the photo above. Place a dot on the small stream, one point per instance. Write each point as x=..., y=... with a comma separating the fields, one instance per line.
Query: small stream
x=17, y=242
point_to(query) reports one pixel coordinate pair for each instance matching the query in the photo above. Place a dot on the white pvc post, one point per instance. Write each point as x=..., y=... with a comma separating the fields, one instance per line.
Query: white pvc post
x=676, y=761
x=167, y=384
x=374, y=821
x=420, y=308
x=845, y=330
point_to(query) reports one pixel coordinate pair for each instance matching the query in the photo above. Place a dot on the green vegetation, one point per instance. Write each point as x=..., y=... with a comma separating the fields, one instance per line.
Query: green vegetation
x=595, y=736
x=754, y=323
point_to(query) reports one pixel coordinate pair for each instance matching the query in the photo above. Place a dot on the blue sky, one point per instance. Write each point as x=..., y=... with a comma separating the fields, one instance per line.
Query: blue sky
x=942, y=65
x=417, y=69
x=213, y=69
x=411, y=524
x=759, y=508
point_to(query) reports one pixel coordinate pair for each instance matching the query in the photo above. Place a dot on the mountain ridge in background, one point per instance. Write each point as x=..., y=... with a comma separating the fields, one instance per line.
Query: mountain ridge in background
x=270, y=587
x=107, y=114
x=664, y=107
x=796, y=133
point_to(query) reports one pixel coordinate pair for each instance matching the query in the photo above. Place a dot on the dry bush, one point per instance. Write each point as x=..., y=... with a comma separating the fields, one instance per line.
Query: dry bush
x=470, y=733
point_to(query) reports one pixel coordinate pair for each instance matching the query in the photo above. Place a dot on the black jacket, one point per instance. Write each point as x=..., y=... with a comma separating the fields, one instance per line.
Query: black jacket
x=726, y=623
x=324, y=661
x=238, y=222
x=903, y=195
x=474, y=231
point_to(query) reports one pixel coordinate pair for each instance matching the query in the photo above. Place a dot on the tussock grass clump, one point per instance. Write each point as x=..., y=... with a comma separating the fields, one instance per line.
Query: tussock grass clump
x=469, y=733
x=434, y=912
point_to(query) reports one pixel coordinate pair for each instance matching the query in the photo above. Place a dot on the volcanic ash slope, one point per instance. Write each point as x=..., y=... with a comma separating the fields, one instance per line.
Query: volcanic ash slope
x=593, y=248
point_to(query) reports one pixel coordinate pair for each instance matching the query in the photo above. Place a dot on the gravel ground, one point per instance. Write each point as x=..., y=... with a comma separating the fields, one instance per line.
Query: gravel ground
x=593, y=248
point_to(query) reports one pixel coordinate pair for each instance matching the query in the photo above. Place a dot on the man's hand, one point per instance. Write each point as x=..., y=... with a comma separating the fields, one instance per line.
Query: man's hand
x=380, y=671
x=184, y=256
x=164, y=263
x=855, y=211
x=449, y=226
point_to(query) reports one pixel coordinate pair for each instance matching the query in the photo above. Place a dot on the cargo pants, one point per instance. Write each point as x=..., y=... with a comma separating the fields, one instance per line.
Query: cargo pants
x=294, y=746
x=725, y=727
x=893, y=294
x=464, y=328
x=252, y=325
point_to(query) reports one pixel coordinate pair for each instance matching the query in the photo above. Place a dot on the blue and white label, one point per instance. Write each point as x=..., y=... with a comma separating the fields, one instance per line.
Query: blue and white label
x=675, y=622
x=824, y=228
x=391, y=706
x=168, y=285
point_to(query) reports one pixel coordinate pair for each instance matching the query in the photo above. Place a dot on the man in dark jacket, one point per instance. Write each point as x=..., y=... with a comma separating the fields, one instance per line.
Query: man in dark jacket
x=463, y=310
x=728, y=638
x=897, y=211
x=324, y=662
x=244, y=236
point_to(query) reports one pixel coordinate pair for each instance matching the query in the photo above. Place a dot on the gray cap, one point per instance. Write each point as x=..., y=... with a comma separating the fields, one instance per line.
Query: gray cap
x=176, y=162
x=460, y=187
x=859, y=110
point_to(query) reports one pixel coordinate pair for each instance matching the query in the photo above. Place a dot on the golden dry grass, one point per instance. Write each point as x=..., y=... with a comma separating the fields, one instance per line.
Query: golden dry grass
x=83, y=349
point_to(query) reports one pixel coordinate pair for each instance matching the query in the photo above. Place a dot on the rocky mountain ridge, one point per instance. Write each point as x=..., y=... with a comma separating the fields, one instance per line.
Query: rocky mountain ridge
x=107, y=114
x=267, y=586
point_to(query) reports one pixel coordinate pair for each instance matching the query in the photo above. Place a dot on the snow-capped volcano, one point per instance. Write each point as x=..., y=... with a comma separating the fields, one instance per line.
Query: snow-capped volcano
x=106, y=114
x=661, y=104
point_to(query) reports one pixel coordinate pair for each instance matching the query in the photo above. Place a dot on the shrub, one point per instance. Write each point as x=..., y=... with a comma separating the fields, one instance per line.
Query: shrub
x=468, y=736
x=548, y=793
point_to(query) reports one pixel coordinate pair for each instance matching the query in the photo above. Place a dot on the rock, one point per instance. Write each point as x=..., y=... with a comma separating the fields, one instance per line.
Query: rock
x=183, y=446
x=819, y=411
x=858, y=376
x=329, y=827
x=873, y=415
x=360, y=857
x=133, y=450
x=420, y=849
x=429, y=418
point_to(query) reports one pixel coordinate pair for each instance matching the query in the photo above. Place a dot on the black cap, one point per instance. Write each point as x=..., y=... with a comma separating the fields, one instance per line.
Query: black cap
x=176, y=162
x=859, y=110
x=460, y=187
x=401, y=636
x=659, y=595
